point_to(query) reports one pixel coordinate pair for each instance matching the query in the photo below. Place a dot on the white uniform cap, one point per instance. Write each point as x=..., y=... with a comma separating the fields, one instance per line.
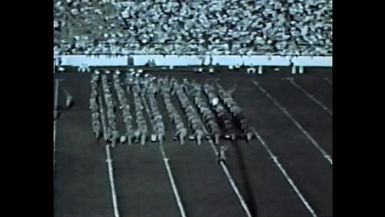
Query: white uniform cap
x=215, y=101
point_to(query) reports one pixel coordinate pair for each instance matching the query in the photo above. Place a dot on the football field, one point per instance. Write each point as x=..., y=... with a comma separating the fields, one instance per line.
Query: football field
x=285, y=172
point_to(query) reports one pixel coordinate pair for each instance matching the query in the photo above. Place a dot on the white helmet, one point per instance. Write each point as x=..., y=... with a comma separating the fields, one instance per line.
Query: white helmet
x=215, y=101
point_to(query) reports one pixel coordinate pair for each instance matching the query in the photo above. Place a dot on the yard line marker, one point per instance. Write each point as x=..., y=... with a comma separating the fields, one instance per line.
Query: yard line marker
x=328, y=81
x=54, y=145
x=167, y=165
x=172, y=181
x=295, y=84
x=235, y=188
x=284, y=173
x=286, y=112
x=57, y=82
x=108, y=159
x=112, y=182
x=224, y=168
x=287, y=177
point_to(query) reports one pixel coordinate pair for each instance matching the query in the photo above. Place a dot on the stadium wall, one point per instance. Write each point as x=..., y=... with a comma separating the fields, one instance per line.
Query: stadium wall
x=174, y=60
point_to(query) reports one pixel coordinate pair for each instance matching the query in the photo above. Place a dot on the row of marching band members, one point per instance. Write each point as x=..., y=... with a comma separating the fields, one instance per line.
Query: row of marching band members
x=165, y=89
x=125, y=107
x=236, y=112
x=151, y=89
x=220, y=111
x=94, y=106
x=112, y=133
x=141, y=132
x=208, y=116
x=191, y=115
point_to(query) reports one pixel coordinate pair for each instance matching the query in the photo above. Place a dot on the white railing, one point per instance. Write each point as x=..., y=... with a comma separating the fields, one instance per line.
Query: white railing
x=194, y=60
x=190, y=49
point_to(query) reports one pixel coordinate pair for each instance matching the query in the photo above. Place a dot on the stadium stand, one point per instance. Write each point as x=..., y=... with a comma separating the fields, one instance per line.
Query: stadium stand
x=176, y=27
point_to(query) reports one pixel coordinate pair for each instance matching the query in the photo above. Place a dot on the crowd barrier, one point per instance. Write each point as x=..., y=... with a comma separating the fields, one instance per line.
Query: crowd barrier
x=191, y=60
x=312, y=61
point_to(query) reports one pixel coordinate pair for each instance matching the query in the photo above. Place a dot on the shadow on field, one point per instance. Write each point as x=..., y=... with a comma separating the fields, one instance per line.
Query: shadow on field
x=244, y=180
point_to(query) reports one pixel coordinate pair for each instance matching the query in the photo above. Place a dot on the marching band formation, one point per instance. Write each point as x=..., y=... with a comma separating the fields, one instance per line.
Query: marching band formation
x=207, y=111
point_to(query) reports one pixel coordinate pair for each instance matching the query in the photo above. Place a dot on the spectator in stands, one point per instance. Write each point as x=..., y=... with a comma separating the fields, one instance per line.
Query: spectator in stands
x=193, y=27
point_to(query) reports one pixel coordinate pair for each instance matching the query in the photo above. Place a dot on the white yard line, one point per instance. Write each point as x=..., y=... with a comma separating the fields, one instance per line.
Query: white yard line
x=167, y=165
x=235, y=188
x=172, y=181
x=287, y=177
x=229, y=177
x=112, y=182
x=57, y=82
x=286, y=112
x=225, y=169
x=328, y=81
x=318, y=102
x=54, y=145
x=109, y=160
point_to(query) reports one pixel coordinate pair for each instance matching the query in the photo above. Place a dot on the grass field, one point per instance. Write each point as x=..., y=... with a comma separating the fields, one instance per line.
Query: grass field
x=290, y=123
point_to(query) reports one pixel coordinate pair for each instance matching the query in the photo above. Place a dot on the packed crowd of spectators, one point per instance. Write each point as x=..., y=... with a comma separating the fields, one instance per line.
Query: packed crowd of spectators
x=296, y=27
